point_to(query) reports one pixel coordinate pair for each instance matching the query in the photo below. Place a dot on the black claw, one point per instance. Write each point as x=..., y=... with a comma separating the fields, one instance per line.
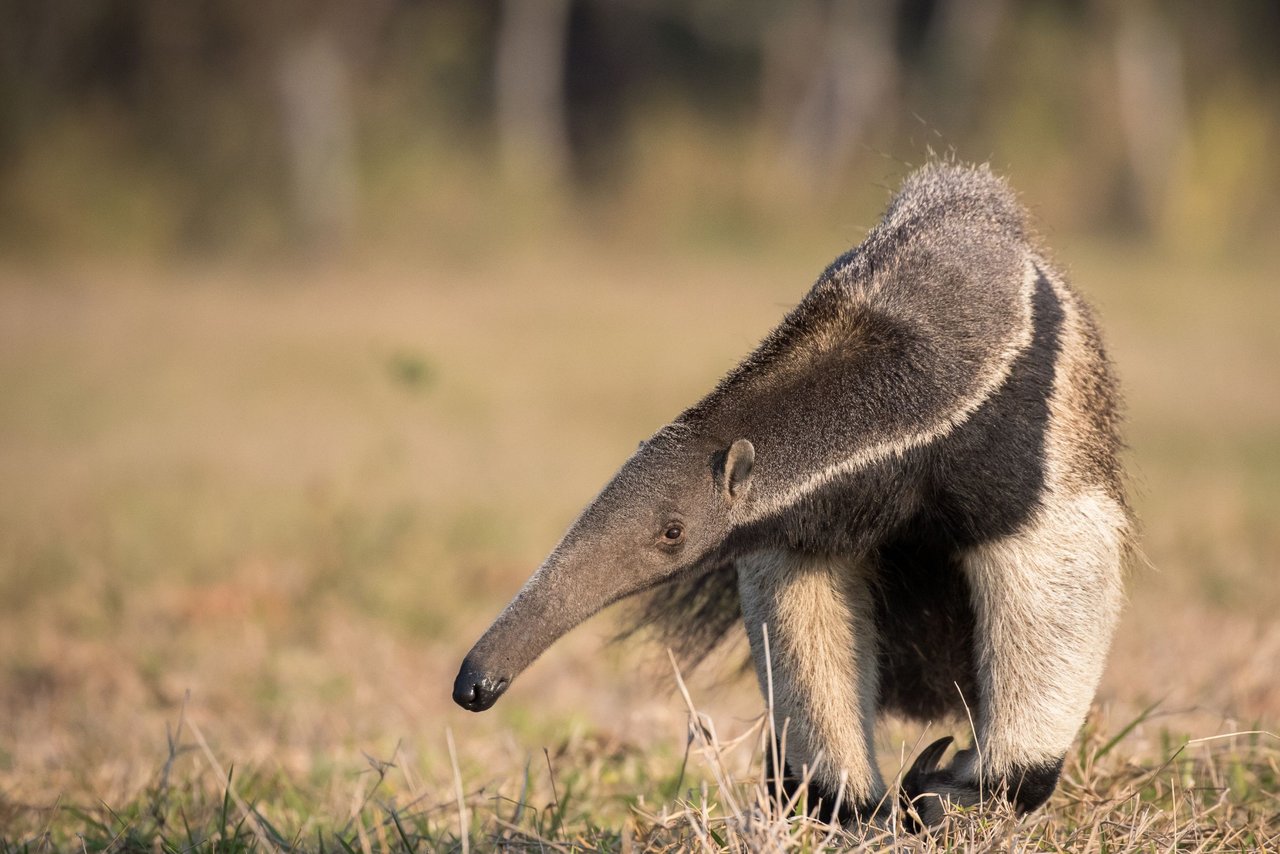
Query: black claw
x=927, y=788
x=926, y=765
x=928, y=759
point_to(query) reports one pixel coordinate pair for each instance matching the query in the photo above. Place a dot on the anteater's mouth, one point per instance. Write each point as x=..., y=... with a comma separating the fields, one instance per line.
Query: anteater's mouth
x=475, y=690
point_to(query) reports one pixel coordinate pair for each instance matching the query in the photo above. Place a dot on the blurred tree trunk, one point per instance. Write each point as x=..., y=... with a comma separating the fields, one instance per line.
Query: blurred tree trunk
x=529, y=78
x=957, y=54
x=829, y=68
x=1151, y=97
x=315, y=91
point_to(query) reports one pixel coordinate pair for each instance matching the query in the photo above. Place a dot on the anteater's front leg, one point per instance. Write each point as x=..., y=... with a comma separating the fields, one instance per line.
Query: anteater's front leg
x=823, y=670
x=1046, y=600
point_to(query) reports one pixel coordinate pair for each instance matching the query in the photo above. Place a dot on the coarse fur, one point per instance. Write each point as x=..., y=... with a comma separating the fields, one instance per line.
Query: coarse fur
x=912, y=488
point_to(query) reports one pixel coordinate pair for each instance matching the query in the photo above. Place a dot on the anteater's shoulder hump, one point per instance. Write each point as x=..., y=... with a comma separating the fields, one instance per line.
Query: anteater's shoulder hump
x=949, y=191
x=927, y=207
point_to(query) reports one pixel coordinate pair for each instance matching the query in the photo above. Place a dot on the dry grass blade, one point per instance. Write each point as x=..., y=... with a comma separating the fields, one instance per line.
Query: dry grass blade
x=705, y=732
x=464, y=836
x=250, y=817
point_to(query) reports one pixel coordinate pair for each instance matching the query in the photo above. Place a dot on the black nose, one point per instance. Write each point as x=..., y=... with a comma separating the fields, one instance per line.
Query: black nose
x=475, y=690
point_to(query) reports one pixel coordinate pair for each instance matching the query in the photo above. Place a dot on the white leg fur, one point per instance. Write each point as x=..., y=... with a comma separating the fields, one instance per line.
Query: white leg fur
x=823, y=660
x=1046, y=600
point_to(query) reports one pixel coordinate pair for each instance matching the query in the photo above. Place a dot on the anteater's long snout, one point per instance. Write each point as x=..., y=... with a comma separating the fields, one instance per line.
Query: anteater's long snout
x=570, y=586
x=476, y=690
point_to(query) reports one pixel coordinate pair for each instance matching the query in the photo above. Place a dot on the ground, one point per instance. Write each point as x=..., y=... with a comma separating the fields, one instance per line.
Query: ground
x=254, y=515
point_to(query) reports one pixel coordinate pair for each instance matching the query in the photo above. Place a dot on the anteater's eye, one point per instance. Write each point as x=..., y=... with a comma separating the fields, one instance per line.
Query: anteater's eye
x=673, y=534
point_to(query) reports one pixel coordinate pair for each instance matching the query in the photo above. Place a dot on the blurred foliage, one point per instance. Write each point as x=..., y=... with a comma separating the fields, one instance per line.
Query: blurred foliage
x=151, y=127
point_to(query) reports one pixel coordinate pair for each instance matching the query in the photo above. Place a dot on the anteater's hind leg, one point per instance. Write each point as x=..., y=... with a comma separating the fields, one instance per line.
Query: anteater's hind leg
x=822, y=665
x=1046, y=601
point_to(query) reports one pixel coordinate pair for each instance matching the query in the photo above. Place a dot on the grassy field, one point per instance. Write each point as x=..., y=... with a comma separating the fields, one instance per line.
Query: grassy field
x=251, y=519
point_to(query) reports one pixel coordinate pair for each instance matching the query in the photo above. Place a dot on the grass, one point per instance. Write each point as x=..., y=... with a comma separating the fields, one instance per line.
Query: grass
x=252, y=519
x=1212, y=794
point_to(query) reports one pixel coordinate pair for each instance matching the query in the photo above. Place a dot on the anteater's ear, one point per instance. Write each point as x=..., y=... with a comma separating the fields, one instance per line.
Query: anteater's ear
x=738, y=462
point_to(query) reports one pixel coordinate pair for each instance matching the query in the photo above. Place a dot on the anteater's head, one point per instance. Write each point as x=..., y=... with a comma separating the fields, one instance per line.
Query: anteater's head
x=665, y=514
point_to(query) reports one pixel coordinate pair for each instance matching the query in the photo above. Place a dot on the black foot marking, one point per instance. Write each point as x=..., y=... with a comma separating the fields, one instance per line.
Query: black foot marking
x=818, y=799
x=927, y=788
x=1030, y=787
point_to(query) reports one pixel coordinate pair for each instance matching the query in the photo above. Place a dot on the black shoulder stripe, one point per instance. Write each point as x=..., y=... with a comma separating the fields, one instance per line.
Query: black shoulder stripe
x=989, y=473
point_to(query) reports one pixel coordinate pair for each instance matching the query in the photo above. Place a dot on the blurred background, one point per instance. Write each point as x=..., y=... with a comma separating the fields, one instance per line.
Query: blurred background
x=320, y=321
x=232, y=128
